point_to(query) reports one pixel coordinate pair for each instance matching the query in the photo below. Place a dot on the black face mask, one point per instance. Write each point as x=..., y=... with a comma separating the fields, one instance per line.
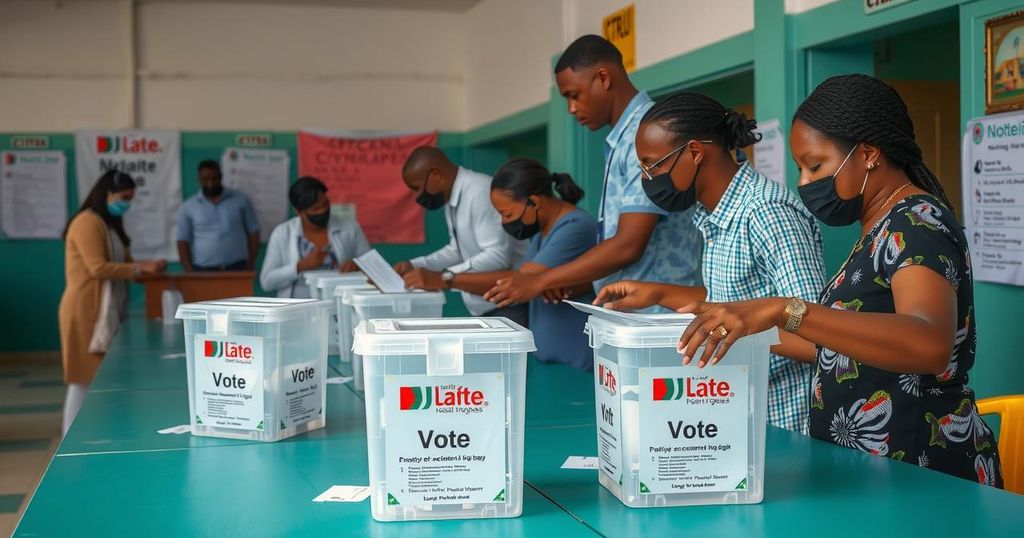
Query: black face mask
x=660, y=190
x=430, y=200
x=213, y=191
x=319, y=220
x=823, y=201
x=519, y=229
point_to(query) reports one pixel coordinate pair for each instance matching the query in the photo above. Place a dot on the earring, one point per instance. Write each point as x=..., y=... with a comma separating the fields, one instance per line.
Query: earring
x=872, y=165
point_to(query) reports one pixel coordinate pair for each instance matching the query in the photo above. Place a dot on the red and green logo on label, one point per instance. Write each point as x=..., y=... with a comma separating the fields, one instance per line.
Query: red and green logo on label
x=107, y=144
x=230, y=350
x=414, y=398
x=667, y=388
x=213, y=349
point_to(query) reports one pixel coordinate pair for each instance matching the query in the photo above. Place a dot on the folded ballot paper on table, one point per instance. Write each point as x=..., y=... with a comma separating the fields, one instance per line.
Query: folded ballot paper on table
x=674, y=435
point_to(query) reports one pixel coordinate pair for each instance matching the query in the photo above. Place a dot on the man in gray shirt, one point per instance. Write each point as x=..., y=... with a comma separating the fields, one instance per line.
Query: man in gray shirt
x=217, y=228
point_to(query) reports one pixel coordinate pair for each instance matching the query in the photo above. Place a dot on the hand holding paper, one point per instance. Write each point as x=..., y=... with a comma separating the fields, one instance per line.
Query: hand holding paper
x=380, y=272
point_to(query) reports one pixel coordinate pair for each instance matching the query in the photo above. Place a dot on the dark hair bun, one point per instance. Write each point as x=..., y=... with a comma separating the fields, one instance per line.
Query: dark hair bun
x=739, y=130
x=567, y=189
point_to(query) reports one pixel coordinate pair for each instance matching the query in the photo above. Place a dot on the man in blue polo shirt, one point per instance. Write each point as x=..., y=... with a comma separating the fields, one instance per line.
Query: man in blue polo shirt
x=217, y=228
x=637, y=240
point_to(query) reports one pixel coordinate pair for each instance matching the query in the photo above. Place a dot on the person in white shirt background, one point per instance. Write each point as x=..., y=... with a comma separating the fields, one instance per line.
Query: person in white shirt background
x=477, y=241
x=314, y=240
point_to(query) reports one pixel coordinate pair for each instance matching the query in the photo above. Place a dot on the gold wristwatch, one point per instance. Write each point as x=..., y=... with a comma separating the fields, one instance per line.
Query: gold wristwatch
x=795, y=310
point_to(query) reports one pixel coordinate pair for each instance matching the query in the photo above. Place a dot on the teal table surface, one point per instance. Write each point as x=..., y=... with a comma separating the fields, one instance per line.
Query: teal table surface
x=139, y=333
x=124, y=421
x=141, y=369
x=247, y=490
x=812, y=488
x=558, y=394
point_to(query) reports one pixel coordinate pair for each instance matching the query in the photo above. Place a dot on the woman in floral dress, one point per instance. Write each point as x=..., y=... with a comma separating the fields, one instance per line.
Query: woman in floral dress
x=893, y=334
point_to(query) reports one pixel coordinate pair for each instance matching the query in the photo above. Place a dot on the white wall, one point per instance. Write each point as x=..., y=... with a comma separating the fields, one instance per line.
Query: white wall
x=63, y=68
x=266, y=65
x=668, y=28
x=521, y=41
x=226, y=66
x=509, y=50
x=229, y=66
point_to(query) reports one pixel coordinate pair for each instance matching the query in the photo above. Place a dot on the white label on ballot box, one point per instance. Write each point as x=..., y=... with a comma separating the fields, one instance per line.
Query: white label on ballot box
x=302, y=384
x=445, y=439
x=693, y=429
x=229, y=382
x=609, y=418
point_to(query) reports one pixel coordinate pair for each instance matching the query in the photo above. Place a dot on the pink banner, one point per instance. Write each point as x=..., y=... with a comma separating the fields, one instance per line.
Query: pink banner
x=367, y=172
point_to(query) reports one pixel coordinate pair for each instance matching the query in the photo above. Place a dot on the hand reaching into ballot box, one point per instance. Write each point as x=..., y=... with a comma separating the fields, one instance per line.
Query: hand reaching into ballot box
x=628, y=295
x=403, y=267
x=423, y=279
x=348, y=267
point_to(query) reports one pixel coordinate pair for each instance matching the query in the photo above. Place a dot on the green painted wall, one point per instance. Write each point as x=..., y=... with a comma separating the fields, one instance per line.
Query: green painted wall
x=999, y=368
x=34, y=270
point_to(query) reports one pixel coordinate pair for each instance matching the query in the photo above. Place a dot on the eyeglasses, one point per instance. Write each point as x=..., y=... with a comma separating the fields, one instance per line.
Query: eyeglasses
x=647, y=170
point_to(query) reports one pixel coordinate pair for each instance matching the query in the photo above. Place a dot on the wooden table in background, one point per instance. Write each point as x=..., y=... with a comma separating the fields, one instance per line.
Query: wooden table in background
x=194, y=287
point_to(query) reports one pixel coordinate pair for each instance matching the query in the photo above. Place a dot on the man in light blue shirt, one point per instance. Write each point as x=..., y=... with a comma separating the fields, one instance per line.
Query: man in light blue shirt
x=637, y=239
x=217, y=228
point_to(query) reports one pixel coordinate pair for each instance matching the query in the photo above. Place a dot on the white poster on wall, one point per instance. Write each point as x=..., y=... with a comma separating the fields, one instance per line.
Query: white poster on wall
x=33, y=194
x=993, y=172
x=262, y=174
x=770, y=152
x=153, y=159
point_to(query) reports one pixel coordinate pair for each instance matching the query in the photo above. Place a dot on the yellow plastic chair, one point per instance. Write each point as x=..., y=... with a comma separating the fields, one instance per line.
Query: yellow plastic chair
x=1011, y=437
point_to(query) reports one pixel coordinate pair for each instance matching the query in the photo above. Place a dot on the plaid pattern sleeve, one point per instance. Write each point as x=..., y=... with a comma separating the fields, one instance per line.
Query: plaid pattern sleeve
x=790, y=242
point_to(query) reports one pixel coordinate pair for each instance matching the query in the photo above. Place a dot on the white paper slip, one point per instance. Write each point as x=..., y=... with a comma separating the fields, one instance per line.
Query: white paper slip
x=580, y=462
x=380, y=272
x=338, y=380
x=344, y=494
x=176, y=430
x=632, y=317
x=181, y=355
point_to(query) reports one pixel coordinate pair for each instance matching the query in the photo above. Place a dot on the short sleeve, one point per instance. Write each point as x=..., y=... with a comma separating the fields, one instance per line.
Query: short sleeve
x=919, y=232
x=788, y=245
x=183, y=226
x=567, y=242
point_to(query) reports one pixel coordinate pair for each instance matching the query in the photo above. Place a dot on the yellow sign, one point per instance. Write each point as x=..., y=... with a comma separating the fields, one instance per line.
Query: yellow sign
x=620, y=29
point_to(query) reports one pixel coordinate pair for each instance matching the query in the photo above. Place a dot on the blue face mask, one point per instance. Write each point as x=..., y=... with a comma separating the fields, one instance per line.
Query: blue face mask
x=118, y=207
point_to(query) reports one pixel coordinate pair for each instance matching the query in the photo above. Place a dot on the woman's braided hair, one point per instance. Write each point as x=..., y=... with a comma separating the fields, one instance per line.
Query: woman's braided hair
x=853, y=109
x=691, y=115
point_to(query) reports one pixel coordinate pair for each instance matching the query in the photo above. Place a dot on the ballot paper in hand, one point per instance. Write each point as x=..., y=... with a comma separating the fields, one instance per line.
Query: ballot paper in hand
x=632, y=317
x=380, y=272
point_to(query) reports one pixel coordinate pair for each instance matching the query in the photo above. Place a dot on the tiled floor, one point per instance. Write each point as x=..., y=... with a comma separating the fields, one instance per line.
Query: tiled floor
x=31, y=399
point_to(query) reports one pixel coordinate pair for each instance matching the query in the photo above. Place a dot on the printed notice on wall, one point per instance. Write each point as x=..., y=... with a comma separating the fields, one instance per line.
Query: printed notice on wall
x=445, y=439
x=33, y=194
x=609, y=419
x=993, y=172
x=229, y=382
x=693, y=430
x=262, y=174
x=770, y=152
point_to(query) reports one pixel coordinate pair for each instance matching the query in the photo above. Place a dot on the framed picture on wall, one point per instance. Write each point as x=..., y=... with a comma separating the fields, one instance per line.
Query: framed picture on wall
x=1004, y=63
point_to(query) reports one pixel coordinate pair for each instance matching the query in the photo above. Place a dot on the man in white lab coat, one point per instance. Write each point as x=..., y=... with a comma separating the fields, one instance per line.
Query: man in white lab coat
x=477, y=241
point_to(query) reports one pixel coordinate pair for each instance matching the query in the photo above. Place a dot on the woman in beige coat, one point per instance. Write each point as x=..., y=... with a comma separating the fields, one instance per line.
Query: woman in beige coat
x=97, y=268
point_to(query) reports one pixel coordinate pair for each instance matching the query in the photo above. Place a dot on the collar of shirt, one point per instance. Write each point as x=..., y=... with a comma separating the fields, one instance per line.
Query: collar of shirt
x=626, y=119
x=730, y=206
x=460, y=181
x=223, y=196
